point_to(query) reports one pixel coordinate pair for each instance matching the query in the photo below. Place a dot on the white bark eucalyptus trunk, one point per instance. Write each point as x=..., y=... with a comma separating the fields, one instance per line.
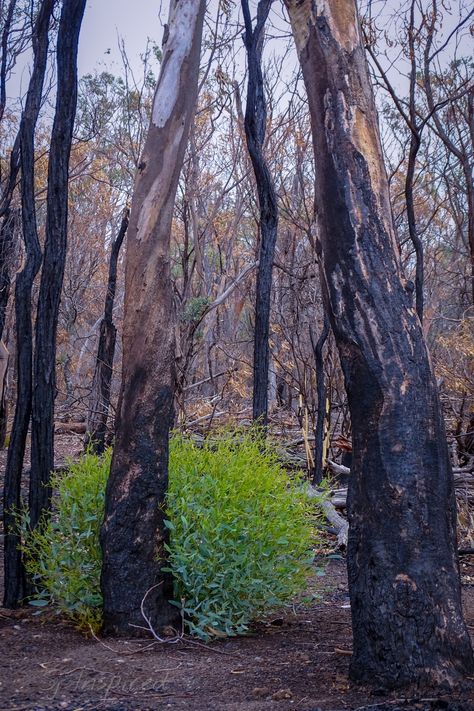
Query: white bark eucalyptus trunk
x=402, y=563
x=133, y=533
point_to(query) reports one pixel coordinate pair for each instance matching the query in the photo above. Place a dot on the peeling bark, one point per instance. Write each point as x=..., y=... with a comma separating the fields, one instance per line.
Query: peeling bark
x=402, y=561
x=133, y=533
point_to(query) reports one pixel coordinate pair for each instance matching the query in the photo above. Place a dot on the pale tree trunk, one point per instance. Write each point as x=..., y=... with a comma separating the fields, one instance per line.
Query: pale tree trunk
x=133, y=533
x=402, y=561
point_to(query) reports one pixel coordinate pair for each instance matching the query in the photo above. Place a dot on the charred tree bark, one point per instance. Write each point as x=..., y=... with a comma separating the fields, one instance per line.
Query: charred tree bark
x=255, y=125
x=100, y=396
x=415, y=143
x=7, y=240
x=7, y=25
x=14, y=576
x=402, y=560
x=44, y=391
x=133, y=533
x=4, y=360
x=321, y=395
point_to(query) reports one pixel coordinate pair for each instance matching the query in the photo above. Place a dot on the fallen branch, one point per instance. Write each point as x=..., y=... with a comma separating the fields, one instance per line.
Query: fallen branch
x=225, y=294
x=338, y=468
x=340, y=524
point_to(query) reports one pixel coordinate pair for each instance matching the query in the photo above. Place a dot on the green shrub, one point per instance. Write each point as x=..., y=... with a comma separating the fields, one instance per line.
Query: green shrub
x=240, y=531
x=240, y=535
x=63, y=555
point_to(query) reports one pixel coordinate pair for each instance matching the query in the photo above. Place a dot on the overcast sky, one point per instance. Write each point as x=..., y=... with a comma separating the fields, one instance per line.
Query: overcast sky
x=137, y=20
x=105, y=20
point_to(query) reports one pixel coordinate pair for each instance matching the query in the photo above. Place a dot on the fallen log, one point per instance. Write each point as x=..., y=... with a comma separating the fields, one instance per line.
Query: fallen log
x=70, y=427
x=339, y=523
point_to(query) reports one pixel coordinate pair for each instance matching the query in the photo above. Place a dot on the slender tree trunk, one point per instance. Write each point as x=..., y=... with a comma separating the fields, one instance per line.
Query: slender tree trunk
x=44, y=392
x=7, y=25
x=100, y=397
x=255, y=125
x=14, y=577
x=321, y=395
x=402, y=560
x=412, y=226
x=459, y=152
x=415, y=142
x=469, y=175
x=133, y=533
x=4, y=361
x=7, y=240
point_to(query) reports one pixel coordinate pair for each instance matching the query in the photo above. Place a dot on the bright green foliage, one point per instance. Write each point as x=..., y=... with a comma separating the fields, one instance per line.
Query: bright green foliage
x=240, y=544
x=63, y=556
x=241, y=533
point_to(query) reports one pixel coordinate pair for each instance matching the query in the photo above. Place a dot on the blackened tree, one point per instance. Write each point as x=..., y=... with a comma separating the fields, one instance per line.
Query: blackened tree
x=402, y=560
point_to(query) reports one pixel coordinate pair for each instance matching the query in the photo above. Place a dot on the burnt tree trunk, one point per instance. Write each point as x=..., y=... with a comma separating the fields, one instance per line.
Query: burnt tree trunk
x=133, y=533
x=255, y=125
x=4, y=361
x=7, y=255
x=415, y=143
x=7, y=20
x=14, y=576
x=7, y=250
x=44, y=388
x=402, y=560
x=321, y=396
x=100, y=397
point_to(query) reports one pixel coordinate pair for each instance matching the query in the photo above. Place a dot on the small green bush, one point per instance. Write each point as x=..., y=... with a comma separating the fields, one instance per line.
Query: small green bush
x=63, y=555
x=241, y=535
x=240, y=531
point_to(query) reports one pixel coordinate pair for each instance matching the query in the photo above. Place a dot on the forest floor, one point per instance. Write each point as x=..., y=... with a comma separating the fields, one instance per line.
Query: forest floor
x=297, y=659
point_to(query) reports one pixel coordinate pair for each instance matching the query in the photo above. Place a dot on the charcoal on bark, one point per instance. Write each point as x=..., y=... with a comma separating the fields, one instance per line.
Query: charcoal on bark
x=319, y=463
x=255, y=126
x=133, y=534
x=402, y=562
x=14, y=574
x=44, y=369
x=99, y=404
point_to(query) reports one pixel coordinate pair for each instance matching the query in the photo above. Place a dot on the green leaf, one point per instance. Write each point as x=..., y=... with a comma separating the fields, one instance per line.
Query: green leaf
x=38, y=603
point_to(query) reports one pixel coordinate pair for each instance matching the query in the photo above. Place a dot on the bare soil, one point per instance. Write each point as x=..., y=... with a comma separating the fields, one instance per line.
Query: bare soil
x=297, y=659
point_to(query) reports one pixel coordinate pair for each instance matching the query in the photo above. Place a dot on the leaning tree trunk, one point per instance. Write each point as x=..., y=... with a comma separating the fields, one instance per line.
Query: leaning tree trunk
x=402, y=562
x=99, y=403
x=14, y=577
x=255, y=125
x=133, y=534
x=44, y=390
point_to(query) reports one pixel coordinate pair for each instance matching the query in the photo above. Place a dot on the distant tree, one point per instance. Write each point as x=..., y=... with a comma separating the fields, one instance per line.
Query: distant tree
x=402, y=560
x=133, y=533
x=255, y=127
x=99, y=404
